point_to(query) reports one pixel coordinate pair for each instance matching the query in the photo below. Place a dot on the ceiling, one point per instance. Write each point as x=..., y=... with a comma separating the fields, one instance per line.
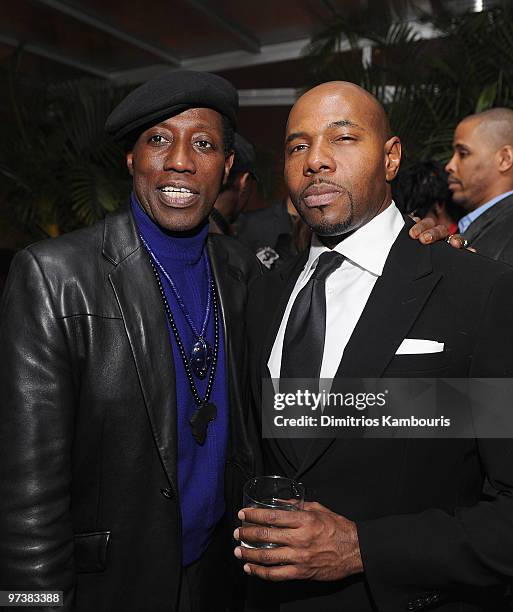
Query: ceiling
x=257, y=44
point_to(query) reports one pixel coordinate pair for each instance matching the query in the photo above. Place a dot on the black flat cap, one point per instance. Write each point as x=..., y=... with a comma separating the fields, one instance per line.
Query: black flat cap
x=168, y=94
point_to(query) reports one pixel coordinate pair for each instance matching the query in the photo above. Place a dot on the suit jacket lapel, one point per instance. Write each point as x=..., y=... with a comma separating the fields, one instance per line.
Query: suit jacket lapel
x=392, y=308
x=492, y=215
x=284, y=281
x=139, y=300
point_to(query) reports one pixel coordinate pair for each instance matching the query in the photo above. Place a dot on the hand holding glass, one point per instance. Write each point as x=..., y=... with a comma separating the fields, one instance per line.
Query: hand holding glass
x=272, y=492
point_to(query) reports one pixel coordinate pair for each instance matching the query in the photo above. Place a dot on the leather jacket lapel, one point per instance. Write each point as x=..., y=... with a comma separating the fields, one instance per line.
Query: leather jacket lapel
x=139, y=300
x=230, y=285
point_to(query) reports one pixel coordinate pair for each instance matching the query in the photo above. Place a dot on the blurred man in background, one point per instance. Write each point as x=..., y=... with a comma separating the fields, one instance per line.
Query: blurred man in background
x=481, y=181
x=274, y=234
x=237, y=190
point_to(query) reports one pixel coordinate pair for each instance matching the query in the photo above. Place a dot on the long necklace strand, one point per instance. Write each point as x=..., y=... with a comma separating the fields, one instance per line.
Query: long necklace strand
x=201, y=334
x=179, y=343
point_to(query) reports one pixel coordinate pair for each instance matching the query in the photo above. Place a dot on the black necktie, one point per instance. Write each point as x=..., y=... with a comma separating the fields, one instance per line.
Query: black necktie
x=303, y=344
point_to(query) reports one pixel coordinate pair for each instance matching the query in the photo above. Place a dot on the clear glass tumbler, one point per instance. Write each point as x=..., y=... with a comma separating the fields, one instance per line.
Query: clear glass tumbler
x=275, y=492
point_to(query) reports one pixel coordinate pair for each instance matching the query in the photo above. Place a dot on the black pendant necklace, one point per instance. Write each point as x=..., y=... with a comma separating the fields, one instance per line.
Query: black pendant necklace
x=205, y=410
x=200, y=357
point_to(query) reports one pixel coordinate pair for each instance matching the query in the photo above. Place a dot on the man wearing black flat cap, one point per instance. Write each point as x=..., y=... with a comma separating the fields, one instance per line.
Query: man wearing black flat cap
x=123, y=377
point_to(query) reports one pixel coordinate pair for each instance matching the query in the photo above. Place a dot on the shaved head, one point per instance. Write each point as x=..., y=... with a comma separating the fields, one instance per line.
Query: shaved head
x=373, y=108
x=339, y=158
x=481, y=167
x=495, y=126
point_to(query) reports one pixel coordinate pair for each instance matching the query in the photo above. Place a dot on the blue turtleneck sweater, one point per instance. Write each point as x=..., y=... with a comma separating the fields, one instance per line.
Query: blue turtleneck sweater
x=200, y=468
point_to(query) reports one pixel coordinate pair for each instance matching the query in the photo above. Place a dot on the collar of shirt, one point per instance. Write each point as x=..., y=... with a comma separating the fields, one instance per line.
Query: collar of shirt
x=465, y=221
x=368, y=247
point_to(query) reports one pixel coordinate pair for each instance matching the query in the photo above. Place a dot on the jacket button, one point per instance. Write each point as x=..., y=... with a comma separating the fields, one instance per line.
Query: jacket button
x=167, y=493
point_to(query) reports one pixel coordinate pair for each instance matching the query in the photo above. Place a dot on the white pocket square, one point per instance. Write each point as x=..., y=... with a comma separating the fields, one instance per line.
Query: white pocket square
x=414, y=346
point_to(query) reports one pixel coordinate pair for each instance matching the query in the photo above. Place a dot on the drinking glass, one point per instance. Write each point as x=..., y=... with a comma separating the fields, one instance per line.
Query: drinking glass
x=276, y=492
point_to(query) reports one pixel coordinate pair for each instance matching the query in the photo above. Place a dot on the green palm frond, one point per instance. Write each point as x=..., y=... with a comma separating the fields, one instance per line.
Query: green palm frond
x=92, y=193
x=59, y=169
x=427, y=87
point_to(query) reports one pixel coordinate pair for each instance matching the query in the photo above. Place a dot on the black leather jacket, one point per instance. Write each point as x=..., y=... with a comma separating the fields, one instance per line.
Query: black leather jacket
x=88, y=479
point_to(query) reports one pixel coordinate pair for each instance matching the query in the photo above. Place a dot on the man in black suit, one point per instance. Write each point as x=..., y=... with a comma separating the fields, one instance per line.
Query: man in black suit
x=481, y=181
x=269, y=233
x=391, y=525
x=123, y=372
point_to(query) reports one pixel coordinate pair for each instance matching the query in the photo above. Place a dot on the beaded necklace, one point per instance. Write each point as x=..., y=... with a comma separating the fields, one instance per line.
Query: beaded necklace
x=201, y=354
x=205, y=410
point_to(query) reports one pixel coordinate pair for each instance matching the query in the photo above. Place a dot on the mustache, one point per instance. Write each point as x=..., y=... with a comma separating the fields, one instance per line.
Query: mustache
x=320, y=182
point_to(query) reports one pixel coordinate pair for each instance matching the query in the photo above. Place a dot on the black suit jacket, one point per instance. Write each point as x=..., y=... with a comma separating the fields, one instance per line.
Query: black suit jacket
x=88, y=476
x=264, y=227
x=492, y=232
x=426, y=536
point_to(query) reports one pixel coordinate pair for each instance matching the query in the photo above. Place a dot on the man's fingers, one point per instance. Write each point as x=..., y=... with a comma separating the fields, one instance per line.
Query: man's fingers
x=274, y=574
x=421, y=225
x=457, y=241
x=262, y=534
x=315, y=506
x=436, y=233
x=266, y=556
x=278, y=518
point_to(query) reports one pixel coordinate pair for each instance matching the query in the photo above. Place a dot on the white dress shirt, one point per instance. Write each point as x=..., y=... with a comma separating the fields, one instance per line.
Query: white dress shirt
x=347, y=289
